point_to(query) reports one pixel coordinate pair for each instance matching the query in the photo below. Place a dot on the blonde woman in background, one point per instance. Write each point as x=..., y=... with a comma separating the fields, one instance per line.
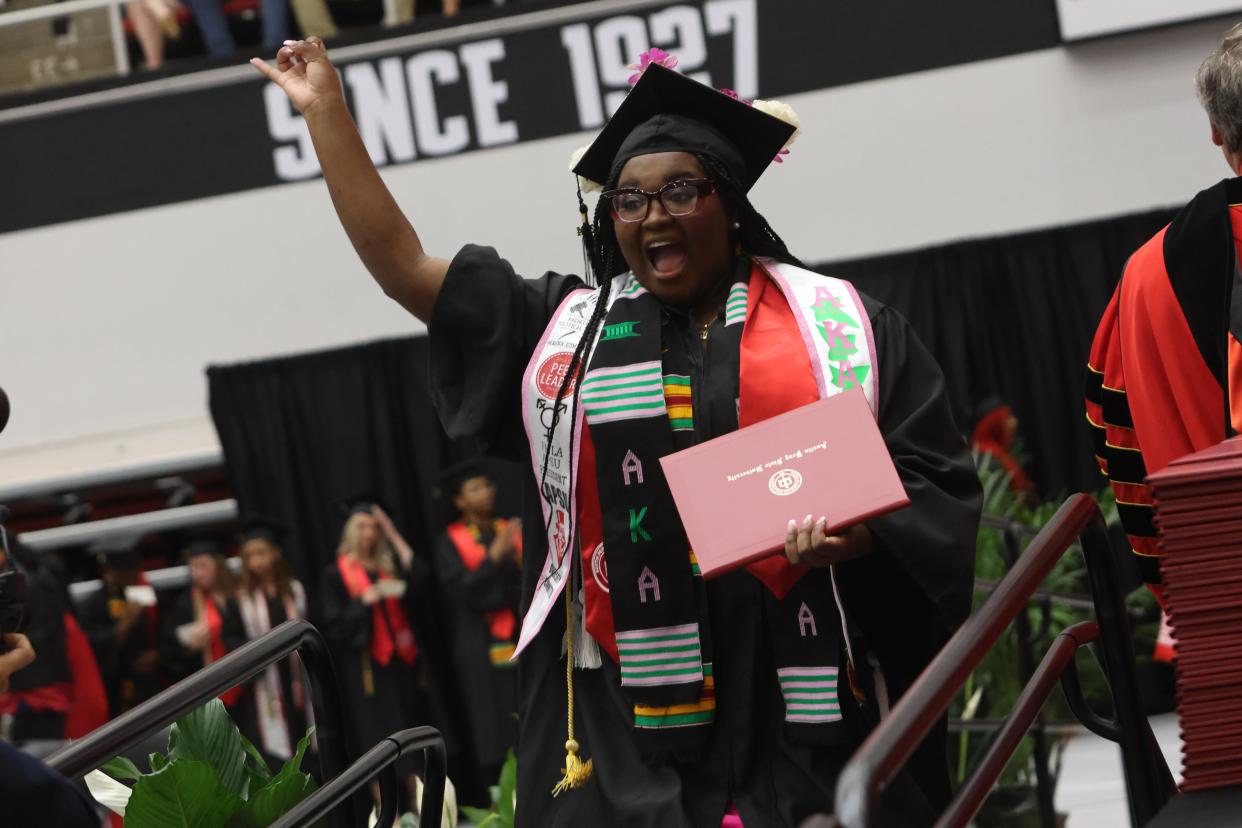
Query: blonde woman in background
x=367, y=616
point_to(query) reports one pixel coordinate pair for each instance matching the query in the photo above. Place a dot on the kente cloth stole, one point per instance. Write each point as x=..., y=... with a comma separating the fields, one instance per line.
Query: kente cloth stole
x=646, y=601
x=502, y=623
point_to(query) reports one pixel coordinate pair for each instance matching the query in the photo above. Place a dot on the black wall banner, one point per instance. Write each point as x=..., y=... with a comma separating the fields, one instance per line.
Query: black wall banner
x=532, y=76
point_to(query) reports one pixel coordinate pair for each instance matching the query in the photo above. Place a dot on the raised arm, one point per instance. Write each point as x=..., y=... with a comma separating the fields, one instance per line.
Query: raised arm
x=384, y=238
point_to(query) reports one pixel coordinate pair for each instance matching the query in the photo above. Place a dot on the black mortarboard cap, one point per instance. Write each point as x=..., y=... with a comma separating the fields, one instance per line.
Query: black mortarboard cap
x=667, y=111
x=118, y=552
x=258, y=527
x=202, y=546
x=361, y=504
x=450, y=480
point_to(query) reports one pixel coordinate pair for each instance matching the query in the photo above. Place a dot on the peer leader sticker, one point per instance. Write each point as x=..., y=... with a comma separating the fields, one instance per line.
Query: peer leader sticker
x=551, y=373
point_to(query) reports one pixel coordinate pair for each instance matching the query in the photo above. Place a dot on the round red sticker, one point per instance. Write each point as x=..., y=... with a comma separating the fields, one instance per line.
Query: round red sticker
x=551, y=373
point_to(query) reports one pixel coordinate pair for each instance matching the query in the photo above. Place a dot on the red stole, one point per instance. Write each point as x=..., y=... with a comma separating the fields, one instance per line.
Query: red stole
x=502, y=622
x=205, y=607
x=772, y=346
x=383, y=642
x=90, y=699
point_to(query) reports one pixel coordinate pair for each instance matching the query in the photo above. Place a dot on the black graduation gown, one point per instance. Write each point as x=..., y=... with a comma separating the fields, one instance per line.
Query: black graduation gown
x=125, y=686
x=396, y=699
x=45, y=627
x=906, y=597
x=489, y=691
x=179, y=661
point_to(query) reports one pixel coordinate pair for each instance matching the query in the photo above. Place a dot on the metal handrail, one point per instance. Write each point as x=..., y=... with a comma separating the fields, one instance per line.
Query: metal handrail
x=1149, y=784
x=380, y=759
x=239, y=666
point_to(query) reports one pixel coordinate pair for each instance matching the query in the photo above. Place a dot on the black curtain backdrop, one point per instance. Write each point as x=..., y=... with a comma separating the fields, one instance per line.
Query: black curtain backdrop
x=1014, y=317
x=301, y=434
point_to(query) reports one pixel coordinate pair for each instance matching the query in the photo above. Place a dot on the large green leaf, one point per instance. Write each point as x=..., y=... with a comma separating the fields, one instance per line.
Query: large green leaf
x=508, y=785
x=293, y=766
x=185, y=794
x=158, y=761
x=479, y=816
x=120, y=768
x=257, y=771
x=209, y=735
x=273, y=801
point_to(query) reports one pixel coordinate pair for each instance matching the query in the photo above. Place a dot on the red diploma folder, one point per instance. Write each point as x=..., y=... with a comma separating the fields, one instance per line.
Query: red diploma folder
x=736, y=494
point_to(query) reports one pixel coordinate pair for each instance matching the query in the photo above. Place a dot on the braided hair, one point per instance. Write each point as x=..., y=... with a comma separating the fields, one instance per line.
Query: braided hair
x=603, y=260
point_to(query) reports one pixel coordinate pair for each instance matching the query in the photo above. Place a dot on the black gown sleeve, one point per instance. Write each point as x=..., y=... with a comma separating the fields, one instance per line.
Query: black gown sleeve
x=914, y=589
x=928, y=546
x=100, y=630
x=485, y=324
x=346, y=621
x=232, y=630
x=176, y=659
x=482, y=589
x=45, y=627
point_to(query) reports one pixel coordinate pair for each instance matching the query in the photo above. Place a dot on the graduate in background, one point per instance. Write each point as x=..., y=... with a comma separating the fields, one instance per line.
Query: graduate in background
x=366, y=612
x=121, y=620
x=203, y=623
x=278, y=709
x=479, y=564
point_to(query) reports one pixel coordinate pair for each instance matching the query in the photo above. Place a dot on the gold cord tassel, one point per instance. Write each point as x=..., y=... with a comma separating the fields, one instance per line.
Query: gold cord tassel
x=576, y=772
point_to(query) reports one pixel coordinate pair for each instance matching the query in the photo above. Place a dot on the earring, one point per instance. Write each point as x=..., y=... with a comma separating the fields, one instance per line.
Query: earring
x=737, y=225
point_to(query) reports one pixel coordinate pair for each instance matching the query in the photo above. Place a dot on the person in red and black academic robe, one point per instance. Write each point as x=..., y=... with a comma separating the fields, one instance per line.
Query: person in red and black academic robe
x=204, y=622
x=1164, y=377
x=121, y=620
x=366, y=612
x=479, y=564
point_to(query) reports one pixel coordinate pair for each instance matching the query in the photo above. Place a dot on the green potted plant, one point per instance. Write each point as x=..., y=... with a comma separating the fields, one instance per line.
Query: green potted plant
x=211, y=777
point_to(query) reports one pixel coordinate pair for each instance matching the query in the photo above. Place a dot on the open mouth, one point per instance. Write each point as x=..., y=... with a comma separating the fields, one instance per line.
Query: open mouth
x=666, y=258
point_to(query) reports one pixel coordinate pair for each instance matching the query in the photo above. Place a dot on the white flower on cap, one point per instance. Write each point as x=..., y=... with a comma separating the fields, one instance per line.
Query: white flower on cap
x=779, y=109
x=585, y=184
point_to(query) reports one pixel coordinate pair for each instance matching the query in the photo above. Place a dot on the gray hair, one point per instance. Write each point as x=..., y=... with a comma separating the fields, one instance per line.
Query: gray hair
x=1219, y=86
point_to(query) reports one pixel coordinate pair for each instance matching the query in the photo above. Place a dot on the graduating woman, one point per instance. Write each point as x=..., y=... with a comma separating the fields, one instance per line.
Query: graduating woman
x=749, y=692
x=278, y=710
x=366, y=616
x=478, y=561
x=203, y=623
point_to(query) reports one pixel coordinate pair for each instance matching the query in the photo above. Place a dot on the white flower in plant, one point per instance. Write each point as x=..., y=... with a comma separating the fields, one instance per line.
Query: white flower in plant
x=108, y=792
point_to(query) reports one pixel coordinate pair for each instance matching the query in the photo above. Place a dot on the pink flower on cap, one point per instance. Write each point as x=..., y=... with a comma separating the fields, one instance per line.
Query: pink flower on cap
x=652, y=55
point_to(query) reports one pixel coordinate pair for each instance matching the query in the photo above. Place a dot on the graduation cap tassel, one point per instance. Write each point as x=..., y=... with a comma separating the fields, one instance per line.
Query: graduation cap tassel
x=588, y=238
x=576, y=772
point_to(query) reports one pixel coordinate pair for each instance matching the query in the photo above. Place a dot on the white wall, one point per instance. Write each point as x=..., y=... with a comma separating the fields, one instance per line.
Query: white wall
x=108, y=323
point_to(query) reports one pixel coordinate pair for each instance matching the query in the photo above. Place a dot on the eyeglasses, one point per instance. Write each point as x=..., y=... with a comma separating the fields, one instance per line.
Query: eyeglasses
x=679, y=198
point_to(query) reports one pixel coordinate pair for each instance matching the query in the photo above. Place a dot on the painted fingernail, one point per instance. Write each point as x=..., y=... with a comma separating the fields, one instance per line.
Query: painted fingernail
x=808, y=520
x=793, y=527
x=290, y=42
x=824, y=521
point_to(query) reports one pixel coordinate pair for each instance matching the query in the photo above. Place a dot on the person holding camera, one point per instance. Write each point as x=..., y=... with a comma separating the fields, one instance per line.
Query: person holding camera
x=33, y=793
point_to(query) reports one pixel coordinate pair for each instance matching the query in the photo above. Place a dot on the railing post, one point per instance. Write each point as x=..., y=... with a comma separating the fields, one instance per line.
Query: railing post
x=1149, y=784
x=1026, y=669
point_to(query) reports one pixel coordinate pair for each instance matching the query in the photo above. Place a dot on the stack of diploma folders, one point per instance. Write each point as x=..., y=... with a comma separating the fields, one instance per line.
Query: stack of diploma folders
x=1201, y=541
